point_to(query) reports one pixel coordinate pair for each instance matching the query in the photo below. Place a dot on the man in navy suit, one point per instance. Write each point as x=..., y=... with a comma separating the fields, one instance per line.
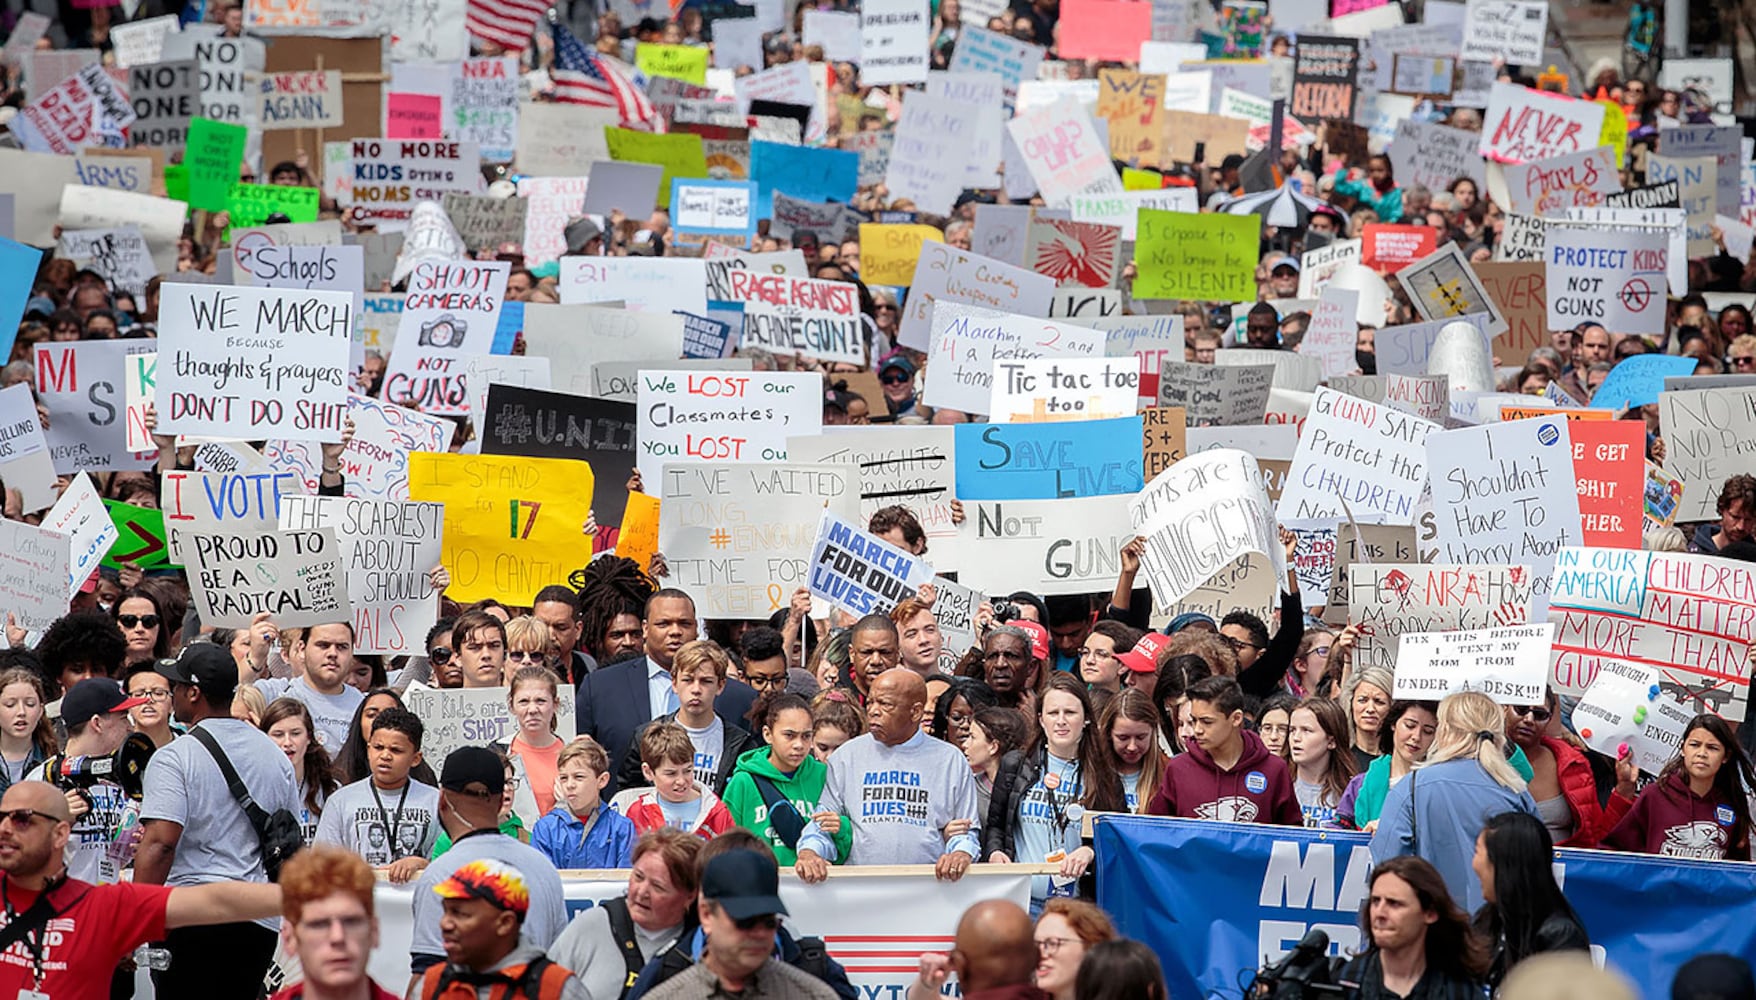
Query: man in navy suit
x=614, y=701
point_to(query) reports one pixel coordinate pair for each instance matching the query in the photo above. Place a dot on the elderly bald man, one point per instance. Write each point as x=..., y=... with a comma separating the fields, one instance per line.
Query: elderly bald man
x=995, y=957
x=911, y=798
x=96, y=925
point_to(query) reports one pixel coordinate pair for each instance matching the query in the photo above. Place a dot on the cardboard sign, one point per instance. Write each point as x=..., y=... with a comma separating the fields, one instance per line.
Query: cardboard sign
x=388, y=548
x=946, y=275
x=1048, y=460
x=1066, y=546
x=1519, y=291
x=738, y=536
x=1648, y=607
x=375, y=464
x=966, y=340
x=650, y=284
x=1200, y=515
x=788, y=315
x=1362, y=543
x=295, y=575
x=542, y=424
x=1614, y=278
x=1523, y=124
x=33, y=574
x=1164, y=442
x=1390, y=600
x=448, y=317
x=1425, y=396
x=1360, y=456
x=717, y=208
x=1216, y=395
x=512, y=524
x=1183, y=256
x=25, y=462
x=859, y=572
x=1325, y=75
x=1543, y=187
x=1133, y=104
x=1509, y=665
x=1620, y=707
x=485, y=222
x=81, y=386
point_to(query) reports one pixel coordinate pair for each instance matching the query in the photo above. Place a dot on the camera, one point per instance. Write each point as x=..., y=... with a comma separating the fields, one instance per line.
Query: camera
x=447, y=331
x=125, y=768
x=1306, y=972
x=1005, y=611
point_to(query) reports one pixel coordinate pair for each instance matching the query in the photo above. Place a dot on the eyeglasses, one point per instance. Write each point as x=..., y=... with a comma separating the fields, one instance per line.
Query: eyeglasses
x=23, y=817
x=1049, y=946
x=1536, y=713
x=514, y=781
x=1318, y=651
x=153, y=694
x=766, y=921
x=759, y=681
x=897, y=379
x=439, y=656
x=129, y=621
x=1097, y=654
x=1238, y=644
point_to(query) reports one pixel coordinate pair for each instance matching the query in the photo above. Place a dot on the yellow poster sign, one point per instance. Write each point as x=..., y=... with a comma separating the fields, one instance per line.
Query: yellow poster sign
x=513, y=525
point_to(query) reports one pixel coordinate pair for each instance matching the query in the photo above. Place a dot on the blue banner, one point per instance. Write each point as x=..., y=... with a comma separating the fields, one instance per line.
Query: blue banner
x=1217, y=900
x=1049, y=461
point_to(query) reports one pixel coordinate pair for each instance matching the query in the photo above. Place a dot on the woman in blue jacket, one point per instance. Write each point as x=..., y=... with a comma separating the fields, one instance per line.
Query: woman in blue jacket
x=1442, y=806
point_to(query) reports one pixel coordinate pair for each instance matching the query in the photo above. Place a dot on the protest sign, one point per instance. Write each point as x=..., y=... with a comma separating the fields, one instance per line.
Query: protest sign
x=1048, y=461
x=896, y=465
x=1317, y=267
x=1442, y=285
x=1215, y=395
x=1626, y=706
x=448, y=317
x=1368, y=457
x=1325, y=71
x=632, y=188
x=1333, y=333
x=1639, y=380
x=296, y=576
x=251, y=204
x=160, y=220
x=475, y=717
x=1362, y=543
x=119, y=255
x=167, y=97
x=241, y=501
x=1519, y=292
x=1707, y=435
x=1184, y=256
x=1616, y=278
x=526, y=371
x=717, y=208
x=1509, y=30
x=788, y=315
x=1662, y=493
x=1609, y=470
x=483, y=106
x=1386, y=248
x=115, y=168
x=927, y=159
x=1690, y=616
x=1133, y=104
x=512, y=524
x=72, y=114
x=543, y=424
x=681, y=62
x=81, y=386
x=81, y=517
x=944, y=274
x=982, y=51
x=829, y=222
x=1150, y=340
x=966, y=340
x=679, y=154
x=893, y=41
x=692, y=416
x=254, y=363
x=1509, y=665
x=859, y=572
x=375, y=463
x=388, y=548
x=1523, y=124
x=1722, y=143
x=485, y=222
x=1390, y=600
x=142, y=539
x=738, y=536
x=1104, y=29
x=1425, y=396
x=1542, y=187
x=1061, y=149
x=1434, y=155
x=1164, y=442
x=550, y=203
x=391, y=176
x=656, y=284
x=1200, y=515
x=1074, y=253
x=1064, y=546
x=1121, y=209
x=889, y=252
x=954, y=611
x=837, y=31
x=1694, y=177
x=33, y=574
x=25, y=462
x=214, y=152
x=1526, y=237
x=1034, y=390
x=303, y=99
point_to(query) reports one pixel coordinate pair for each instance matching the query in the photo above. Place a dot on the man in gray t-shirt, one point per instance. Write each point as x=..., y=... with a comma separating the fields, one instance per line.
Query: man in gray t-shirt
x=327, y=658
x=195, y=832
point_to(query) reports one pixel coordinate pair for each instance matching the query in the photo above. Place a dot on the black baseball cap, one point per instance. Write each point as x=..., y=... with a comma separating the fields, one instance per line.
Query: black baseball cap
x=204, y=665
x=92, y=697
x=743, y=883
x=468, y=766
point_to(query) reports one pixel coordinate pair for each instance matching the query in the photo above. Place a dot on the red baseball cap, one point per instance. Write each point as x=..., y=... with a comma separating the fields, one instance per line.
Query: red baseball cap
x=1143, y=658
x=1039, y=637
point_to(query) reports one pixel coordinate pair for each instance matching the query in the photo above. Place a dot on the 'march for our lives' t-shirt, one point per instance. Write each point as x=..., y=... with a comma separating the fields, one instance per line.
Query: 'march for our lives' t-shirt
x=899, y=800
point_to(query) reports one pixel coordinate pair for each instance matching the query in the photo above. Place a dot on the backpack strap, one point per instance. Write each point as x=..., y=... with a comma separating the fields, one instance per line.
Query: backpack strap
x=255, y=813
x=622, y=928
x=773, y=799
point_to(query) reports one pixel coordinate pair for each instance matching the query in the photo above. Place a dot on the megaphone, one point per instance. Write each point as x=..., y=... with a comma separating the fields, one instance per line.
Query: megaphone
x=125, y=768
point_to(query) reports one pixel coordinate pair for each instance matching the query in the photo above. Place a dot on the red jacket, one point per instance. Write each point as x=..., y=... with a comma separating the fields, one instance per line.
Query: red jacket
x=1579, y=787
x=1257, y=789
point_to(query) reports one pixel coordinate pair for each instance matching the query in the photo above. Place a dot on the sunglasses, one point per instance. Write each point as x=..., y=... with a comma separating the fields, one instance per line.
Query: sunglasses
x=23, y=817
x=898, y=379
x=523, y=656
x=439, y=657
x=1536, y=713
x=129, y=621
x=766, y=921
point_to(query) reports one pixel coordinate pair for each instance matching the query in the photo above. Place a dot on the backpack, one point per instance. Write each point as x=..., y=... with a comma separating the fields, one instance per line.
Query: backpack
x=541, y=979
x=810, y=956
x=622, y=928
x=279, y=833
x=783, y=816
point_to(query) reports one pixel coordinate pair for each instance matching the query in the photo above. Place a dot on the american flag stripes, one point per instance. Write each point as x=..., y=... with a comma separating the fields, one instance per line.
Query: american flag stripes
x=582, y=77
x=506, y=23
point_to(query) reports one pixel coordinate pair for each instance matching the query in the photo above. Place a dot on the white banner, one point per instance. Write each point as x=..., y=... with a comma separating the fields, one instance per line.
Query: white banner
x=1070, y=546
x=1509, y=665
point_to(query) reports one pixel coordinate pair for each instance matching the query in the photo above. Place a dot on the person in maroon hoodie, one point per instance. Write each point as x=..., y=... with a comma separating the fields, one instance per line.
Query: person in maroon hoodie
x=1228, y=774
x=1698, y=806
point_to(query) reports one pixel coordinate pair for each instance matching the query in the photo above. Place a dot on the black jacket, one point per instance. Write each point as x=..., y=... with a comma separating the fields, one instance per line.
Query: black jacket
x=1263, y=677
x=1363, y=979
x=1018, y=773
x=1560, y=931
x=736, y=742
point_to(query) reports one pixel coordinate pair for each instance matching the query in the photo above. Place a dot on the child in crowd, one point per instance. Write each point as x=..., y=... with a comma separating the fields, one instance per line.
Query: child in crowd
x=676, y=799
x=698, y=675
x=387, y=818
x=775, y=787
x=1317, y=751
x=578, y=832
x=834, y=721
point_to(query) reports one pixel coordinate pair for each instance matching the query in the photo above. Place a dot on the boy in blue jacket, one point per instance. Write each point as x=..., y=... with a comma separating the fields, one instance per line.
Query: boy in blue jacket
x=582, y=832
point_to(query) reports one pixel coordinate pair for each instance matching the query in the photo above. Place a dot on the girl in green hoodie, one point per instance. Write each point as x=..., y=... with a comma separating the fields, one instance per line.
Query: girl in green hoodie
x=784, y=773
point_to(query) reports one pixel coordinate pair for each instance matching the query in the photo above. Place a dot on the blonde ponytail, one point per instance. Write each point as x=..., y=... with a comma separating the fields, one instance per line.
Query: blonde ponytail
x=1471, y=725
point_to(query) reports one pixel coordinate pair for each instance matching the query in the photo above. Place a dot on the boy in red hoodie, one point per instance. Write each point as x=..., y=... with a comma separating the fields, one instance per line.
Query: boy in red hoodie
x=1228, y=774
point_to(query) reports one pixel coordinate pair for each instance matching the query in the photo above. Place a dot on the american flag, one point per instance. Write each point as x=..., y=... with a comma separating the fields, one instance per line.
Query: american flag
x=581, y=77
x=506, y=23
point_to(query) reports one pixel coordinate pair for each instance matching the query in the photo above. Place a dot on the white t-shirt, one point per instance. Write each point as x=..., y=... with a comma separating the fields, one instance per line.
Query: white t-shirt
x=184, y=786
x=385, y=827
x=710, y=745
x=332, y=713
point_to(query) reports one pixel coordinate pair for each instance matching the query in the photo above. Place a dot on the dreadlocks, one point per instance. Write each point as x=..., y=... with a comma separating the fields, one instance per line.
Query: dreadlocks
x=609, y=586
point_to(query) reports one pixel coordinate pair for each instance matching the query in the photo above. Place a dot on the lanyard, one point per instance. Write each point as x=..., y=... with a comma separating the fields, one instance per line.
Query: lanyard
x=386, y=822
x=33, y=940
x=1060, y=809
